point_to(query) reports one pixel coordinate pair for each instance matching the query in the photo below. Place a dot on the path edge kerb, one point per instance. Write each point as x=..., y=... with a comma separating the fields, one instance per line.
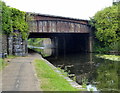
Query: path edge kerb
x=71, y=82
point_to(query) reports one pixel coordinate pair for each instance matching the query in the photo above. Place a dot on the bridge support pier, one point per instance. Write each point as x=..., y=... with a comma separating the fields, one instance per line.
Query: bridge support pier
x=17, y=46
x=58, y=44
x=91, y=41
x=90, y=44
x=55, y=49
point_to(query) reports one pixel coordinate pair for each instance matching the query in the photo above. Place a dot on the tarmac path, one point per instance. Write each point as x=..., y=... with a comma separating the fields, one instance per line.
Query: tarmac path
x=20, y=75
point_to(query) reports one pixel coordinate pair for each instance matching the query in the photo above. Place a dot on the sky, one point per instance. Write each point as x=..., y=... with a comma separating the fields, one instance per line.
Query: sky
x=80, y=9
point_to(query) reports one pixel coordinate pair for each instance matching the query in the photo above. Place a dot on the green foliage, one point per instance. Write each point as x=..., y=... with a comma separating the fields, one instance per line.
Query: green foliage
x=18, y=22
x=0, y=18
x=115, y=45
x=35, y=41
x=109, y=57
x=6, y=19
x=107, y=23
x=99, y=47
x=2, y=64
x=14, y=20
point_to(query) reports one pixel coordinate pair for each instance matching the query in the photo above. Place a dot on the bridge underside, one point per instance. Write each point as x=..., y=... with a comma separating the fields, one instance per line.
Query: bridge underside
x=68, y=35
x=67, y=42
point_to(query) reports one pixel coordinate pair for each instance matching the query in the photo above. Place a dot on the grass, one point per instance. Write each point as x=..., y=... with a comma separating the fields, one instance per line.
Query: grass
x=1, y=61
x=11, y=56
x=109, y=57
x=50, y=80
x=2, y=64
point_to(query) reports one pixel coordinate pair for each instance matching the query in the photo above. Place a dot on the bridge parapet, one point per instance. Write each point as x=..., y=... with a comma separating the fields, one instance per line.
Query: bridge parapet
x=55, y=24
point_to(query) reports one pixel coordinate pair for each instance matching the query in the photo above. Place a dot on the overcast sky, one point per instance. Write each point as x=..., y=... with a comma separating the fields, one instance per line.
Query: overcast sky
x=82, y=9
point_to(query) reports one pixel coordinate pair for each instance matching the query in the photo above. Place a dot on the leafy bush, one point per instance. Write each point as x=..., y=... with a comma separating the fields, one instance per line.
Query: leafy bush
x=106, y=22
x=13, y=20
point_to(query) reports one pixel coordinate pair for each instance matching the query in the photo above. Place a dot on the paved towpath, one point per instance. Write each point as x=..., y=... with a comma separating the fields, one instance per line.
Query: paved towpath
x=20, y=75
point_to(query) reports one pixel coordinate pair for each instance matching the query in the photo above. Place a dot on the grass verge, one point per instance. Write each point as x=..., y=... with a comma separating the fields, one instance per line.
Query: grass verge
x=50, y=80
x=109, y=57
x=10, y=57
x=2, y=64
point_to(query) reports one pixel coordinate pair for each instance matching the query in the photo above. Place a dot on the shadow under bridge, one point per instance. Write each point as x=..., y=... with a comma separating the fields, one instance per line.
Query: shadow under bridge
x=66, y=42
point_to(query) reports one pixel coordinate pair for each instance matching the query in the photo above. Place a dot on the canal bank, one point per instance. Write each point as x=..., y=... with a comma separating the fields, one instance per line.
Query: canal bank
x=52, y=79
x=88, y=70
x=101, y=74
x=25, y=75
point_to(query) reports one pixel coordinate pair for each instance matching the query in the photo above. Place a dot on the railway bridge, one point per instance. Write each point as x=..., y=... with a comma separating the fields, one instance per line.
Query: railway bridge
x=67, y=34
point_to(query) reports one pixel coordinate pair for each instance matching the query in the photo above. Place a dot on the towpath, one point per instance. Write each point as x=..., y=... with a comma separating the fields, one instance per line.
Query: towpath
x=20, y=75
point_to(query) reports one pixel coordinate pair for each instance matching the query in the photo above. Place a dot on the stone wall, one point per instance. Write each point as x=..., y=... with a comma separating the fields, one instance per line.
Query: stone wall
x=19, y=46
x=10, y=45
x=3, y=45
x=13, y=45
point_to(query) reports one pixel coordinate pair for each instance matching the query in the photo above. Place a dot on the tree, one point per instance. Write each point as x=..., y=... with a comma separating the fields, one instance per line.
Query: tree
x=6, y=19
x=19, y=23
x=106, y=23
x=13, y=20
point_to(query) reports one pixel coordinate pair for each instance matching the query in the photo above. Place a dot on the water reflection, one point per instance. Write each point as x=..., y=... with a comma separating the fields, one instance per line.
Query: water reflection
x=77, y=64
x=107, y=75
x=47, y=51
x=87, y=68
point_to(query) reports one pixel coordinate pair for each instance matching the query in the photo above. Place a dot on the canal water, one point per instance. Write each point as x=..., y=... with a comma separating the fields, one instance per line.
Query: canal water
x=88, y=70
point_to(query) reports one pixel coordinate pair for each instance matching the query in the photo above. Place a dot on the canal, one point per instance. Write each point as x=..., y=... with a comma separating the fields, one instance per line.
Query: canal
x=86, y=69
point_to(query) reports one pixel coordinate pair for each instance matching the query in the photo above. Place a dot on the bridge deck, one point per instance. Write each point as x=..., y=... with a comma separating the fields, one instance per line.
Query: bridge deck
x=52, y=24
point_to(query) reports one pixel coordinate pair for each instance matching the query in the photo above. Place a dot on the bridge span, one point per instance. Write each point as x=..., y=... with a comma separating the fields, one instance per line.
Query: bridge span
x=56, y=24
x=65, y=33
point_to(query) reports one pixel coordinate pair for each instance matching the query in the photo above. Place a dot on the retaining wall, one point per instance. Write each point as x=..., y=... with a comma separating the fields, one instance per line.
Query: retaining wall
x=13, y=45
x=3, y=45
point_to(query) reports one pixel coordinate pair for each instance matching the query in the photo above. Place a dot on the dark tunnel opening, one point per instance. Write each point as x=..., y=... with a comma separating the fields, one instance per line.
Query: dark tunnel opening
x=73, y=43
x=66, y=42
